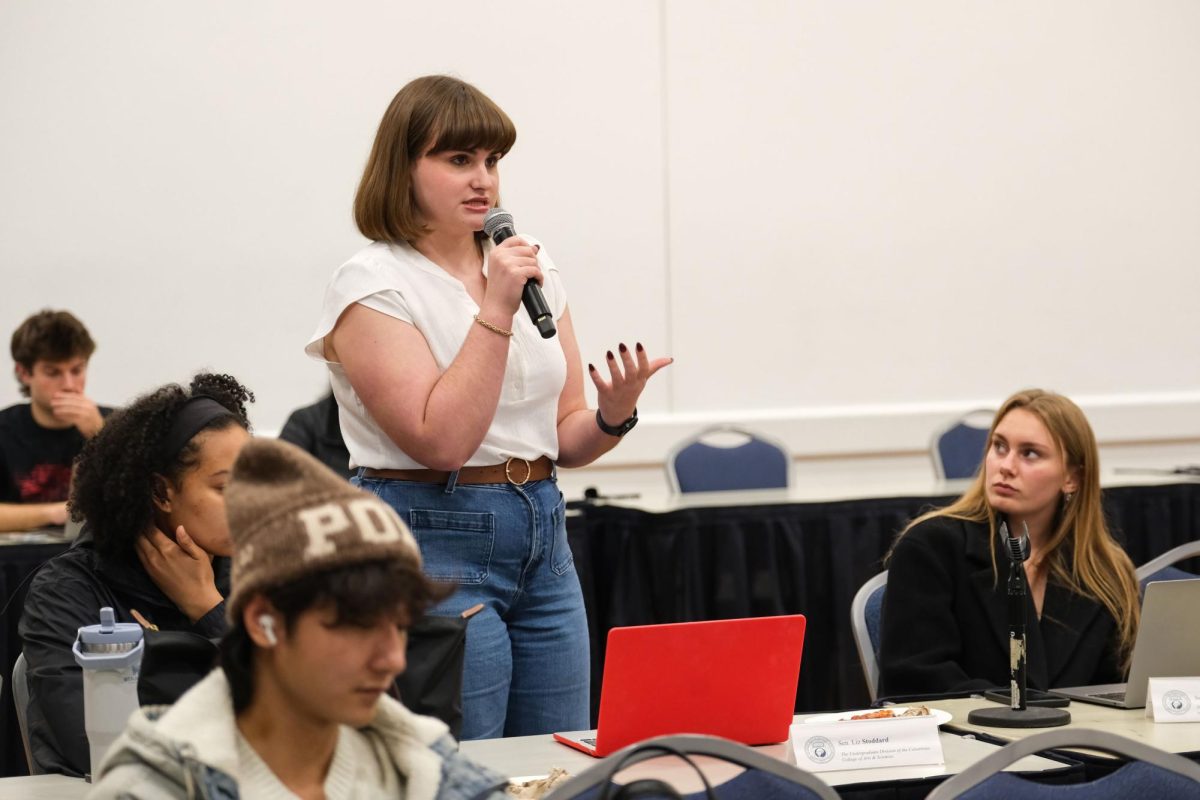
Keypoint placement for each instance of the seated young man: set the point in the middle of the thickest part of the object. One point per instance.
(40, 439)
(326, 581)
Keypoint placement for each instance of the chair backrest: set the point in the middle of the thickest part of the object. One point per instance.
(20, 693)
(752, 462)
(1154, 772)
(865, 612)
(1160, 569)
(763, 775)
(957, 449)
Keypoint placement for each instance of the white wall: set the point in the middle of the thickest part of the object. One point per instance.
(847, 221)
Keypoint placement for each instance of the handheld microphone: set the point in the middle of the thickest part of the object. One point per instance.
(498, 224)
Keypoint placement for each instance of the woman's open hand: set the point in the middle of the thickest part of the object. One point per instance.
(628, 371)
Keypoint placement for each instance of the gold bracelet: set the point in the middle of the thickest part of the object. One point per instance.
(491, 327)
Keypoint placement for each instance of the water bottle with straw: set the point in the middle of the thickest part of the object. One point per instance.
(110, 655)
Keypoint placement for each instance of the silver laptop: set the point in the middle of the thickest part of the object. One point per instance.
(1167, 646)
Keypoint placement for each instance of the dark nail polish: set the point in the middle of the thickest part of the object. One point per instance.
(591, 367)
(623, 348)
(610, 355)
(639, 347)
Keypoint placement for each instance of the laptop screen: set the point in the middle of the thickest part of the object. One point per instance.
(733, 678)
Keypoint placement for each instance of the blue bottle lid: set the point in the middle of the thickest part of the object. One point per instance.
(109, 636)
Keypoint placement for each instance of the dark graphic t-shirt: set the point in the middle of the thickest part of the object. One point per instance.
(35, 462)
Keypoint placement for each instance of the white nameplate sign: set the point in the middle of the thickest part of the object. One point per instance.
(1173, 700)
(865, 744)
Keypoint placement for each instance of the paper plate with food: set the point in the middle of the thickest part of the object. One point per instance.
(888, 712)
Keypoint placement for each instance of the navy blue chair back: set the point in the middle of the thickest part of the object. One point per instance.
(764, 777)
(1161, 568)
(1150, 772)
(958, 450)
(1135, 779)
(1167, 574)
(866, 613)
(874, 616)
(756, 463)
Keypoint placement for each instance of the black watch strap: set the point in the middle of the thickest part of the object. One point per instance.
(616, 430)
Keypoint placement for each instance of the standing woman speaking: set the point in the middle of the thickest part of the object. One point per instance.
(456, 411)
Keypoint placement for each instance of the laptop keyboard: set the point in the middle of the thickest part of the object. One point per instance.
(589, 742)
(1117, 696)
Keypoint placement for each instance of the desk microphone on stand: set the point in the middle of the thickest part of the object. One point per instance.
(1018, 714)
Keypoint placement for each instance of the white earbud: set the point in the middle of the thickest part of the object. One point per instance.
(268, 625)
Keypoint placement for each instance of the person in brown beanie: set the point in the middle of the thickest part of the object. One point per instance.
(326, 581)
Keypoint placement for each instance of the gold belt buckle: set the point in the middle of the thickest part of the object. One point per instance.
(508, 470)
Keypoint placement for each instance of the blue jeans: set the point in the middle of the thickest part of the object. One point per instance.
(527, 663)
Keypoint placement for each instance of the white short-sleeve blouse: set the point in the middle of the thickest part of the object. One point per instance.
(395, 279)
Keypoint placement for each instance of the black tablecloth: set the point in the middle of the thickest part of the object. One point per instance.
(639, 568)
(17, 562)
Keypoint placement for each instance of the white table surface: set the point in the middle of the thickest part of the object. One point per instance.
(526, 756)
(660, 501)
(13, 538)
(43, 787)
(536, 755)
(1128, 722)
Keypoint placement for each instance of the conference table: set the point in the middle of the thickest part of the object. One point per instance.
(659, 558)
(527, 757)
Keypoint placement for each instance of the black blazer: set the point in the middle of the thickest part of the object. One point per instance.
(945, 620)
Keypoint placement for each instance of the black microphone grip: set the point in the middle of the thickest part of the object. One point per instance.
(1018, 552)
(1017, 643)
(531, 296)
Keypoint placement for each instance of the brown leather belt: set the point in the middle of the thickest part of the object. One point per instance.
(516, 471)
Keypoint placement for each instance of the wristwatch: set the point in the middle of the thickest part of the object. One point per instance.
(616, 430)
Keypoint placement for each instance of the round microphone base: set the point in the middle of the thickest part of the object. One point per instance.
(1031, 717)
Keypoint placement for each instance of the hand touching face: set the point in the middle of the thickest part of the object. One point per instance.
(56, 391)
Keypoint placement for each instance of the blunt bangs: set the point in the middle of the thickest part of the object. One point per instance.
(433, 114)
(468, 121)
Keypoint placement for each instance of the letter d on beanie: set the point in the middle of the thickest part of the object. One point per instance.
(289, 515)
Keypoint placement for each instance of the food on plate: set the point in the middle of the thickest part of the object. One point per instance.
(532, 789)
(891, 713)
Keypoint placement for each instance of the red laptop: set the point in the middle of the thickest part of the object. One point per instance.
(734, 678)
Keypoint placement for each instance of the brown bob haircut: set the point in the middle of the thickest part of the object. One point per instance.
(50, 336)
(433, 114)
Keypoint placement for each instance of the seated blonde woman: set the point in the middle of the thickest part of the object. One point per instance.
(945, 614)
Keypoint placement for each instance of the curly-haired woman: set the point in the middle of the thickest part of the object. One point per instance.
(154, 546)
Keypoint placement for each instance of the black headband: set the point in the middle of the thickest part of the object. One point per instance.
(191, 418)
